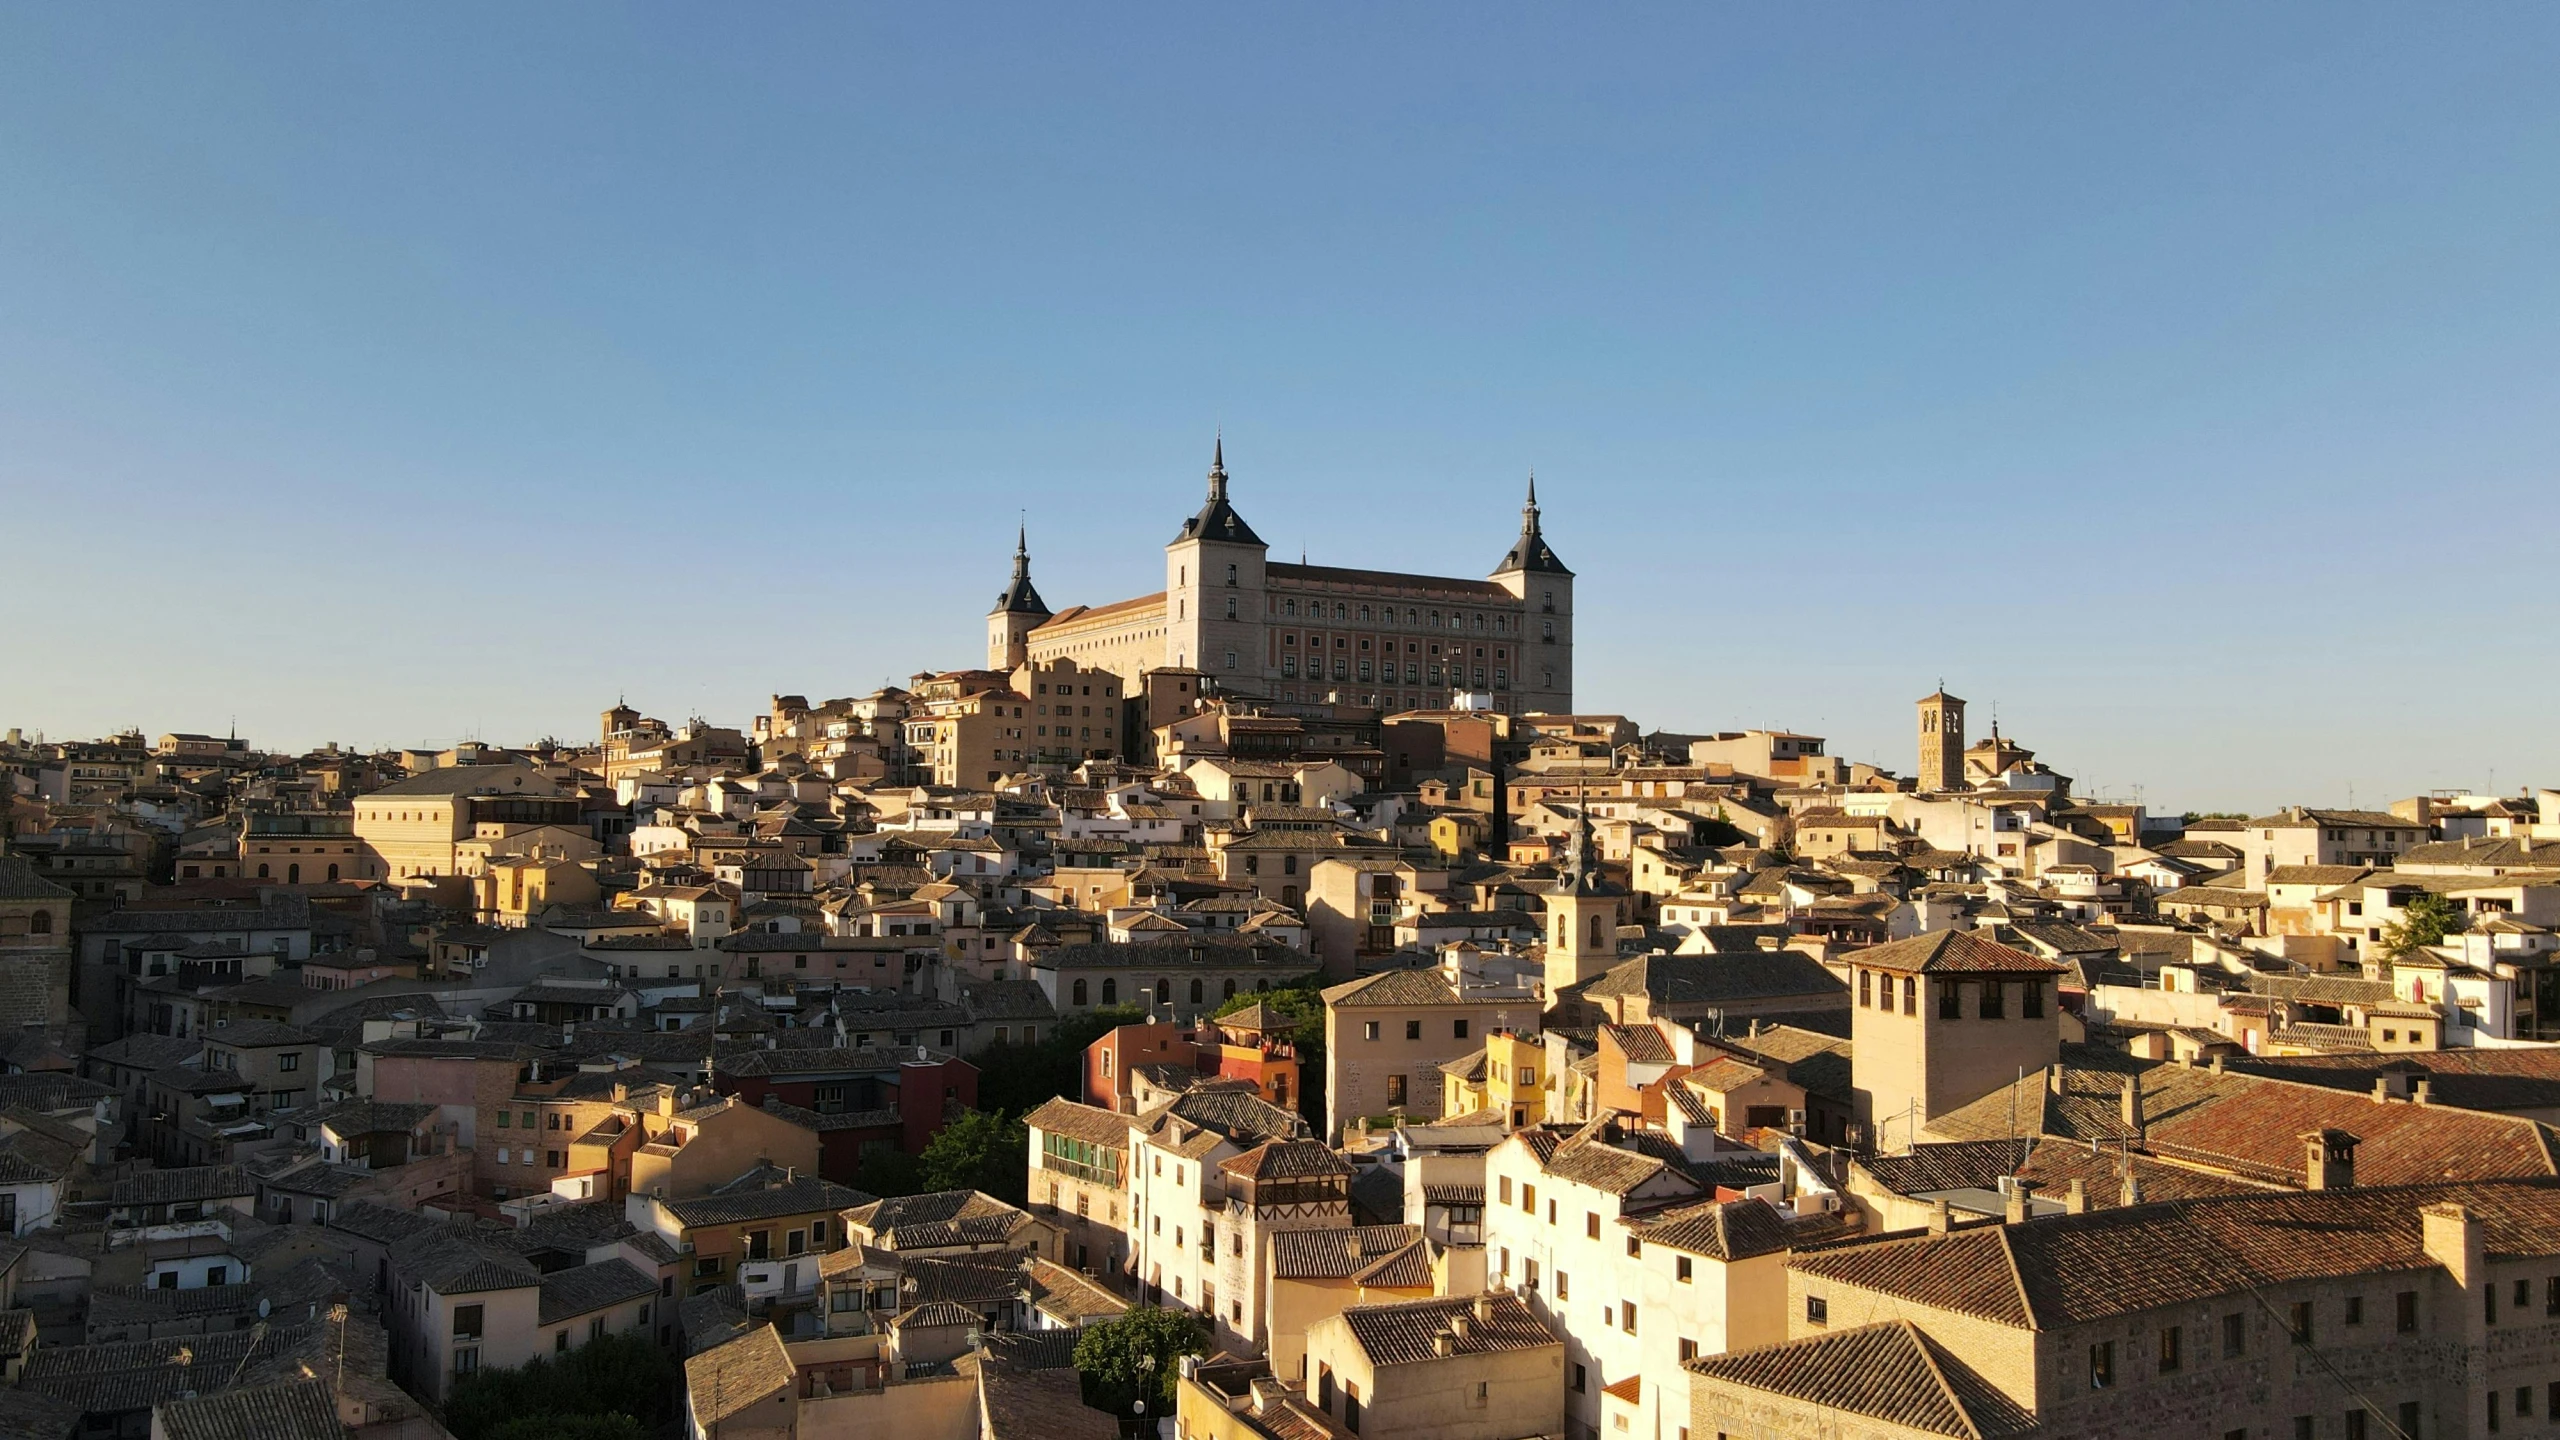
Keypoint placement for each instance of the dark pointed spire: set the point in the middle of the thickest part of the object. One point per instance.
(1218, 519)
(1019, 598)
(1530, 551)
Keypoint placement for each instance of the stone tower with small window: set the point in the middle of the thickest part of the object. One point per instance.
(1214, 592)
(1534, 576)
(1941, 743)
(1019, 610)
(1941, 1020)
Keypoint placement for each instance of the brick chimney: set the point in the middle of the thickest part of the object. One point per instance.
(1940, 1221)
(2021, 1192)
(2076, 1201)
(2330, 1159)
(2129, 1107)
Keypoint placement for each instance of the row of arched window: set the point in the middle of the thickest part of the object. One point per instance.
(1199, 991)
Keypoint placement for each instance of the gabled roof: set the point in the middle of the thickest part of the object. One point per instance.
(1088, 1123)
(1946, 952)
(945, 1217)
(1404, 1333)
(1890, 1372)
(2067, 1270)
(1285, 1160)
(1395, 988)
(728, 1379)
(1712, 979)
(1730, 1230)
(2249, 1125)
(802, 1196)
(584, 1289)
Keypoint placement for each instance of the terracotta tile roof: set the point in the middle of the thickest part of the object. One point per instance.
(1285, 1160)
(1405, 1269)
(1237, 1116)
(1642, 1044)
(1720, 978)
(1402, 1333)
(1039, 1405)
(2052, 1164)
(1889, 1372)
(2068, 1270)
(733, 1377)
(1089, 1123)
(1724, 1073)
(807, 1195)
(2465, 1079)
(1336, 1254)
(1731, 1230)
(944, 1217)
(1394, 987)
(193, 1182)
(2252, 1126)
(1070, 1297)
(294, 1410)
(1953, 952)
(585, 1289)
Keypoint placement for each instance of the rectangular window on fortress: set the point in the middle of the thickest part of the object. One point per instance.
(2171, 1350)
(1950, 1000)
(2031, 1000)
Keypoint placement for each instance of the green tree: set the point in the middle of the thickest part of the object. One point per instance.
(624, 1376)
(1017, 1079)
(1137, 1356)
(980, 1151)
(2425, 921)
(886, 1170)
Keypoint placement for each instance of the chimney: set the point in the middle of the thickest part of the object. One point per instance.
(2129, 1107)
(2422, 1091)
(2452, 1239)
(1459, 1324)
(2053, 1079)
(1444, 1343)
(2330, 1159)
(2381, 1089)
(1483, 1309)
(2215, 1065)
(1939, 1220)
(2077, 1201)
(2021, 1192)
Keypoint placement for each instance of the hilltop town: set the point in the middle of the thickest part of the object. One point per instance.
(1266, 1009)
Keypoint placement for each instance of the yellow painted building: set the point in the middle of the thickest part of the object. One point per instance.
(1508, 1075)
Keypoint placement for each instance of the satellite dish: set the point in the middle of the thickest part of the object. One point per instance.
(262, 1307)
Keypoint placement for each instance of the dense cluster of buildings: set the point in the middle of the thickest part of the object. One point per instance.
(1470, 1067)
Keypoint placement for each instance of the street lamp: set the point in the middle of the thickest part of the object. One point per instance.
(1146, 1382)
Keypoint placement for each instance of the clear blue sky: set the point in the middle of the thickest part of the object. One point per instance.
(2179, 377)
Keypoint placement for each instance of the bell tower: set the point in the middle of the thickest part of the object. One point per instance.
(1019, 611)
(1941, 742)
(1213, 594)
(1583, 911)
(1544, 588)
